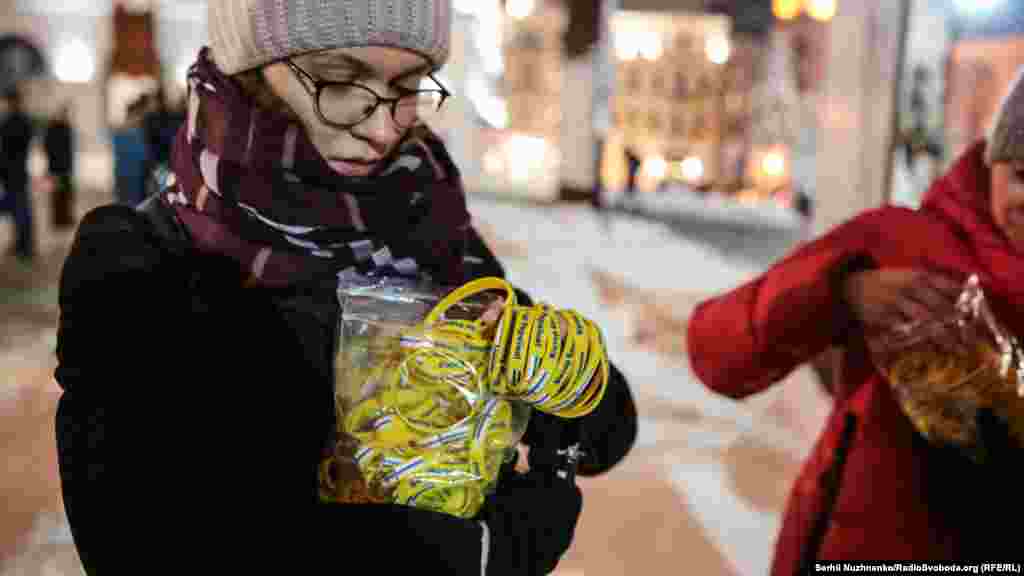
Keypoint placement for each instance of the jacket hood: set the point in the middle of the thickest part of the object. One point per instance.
(961, 198)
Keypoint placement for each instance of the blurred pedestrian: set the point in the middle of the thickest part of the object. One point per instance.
(161, 123)
(874, 487)
(16, 135)
(598, 194)
(632, 172)
(59, 143)
(131, 155)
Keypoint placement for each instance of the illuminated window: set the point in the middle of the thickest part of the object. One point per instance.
(74, 62)
(692, 169)
(520, 9)
(786, 9)
(717, 49)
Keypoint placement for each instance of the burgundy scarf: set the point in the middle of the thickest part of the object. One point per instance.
(249, 184)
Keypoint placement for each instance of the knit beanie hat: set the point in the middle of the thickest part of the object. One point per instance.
(1006, 139)
(246, 34)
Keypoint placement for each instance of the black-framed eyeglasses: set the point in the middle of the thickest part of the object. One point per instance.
(346, 104)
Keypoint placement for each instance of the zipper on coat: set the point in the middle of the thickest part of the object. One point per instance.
(830, 488)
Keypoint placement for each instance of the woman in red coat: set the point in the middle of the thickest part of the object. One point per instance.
(872, 488)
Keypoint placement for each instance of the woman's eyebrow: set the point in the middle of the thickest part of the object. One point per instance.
(358, 66)
(424, 69)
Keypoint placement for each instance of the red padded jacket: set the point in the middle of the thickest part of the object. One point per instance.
(872, 489)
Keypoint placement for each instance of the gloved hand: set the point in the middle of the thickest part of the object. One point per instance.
(532, 519)
(970, 491)
(605, 436)
(997, 446)
(993, 450)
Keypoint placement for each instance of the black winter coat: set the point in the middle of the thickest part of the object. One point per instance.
(194, 413)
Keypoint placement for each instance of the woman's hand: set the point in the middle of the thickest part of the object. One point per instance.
(532, 521)
(886, 298)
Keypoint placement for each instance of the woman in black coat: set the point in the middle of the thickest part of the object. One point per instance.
(197, 333)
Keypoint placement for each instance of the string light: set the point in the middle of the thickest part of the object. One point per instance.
(787, 9)
(75, 62)
(656, 167)
(774, 164)
(693, 169)
(717, 49)
(821, 10)
(520, 9)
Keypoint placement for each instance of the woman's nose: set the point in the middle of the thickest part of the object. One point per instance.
(378, 130)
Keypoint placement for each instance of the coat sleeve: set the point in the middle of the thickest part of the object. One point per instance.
(744, 340)
(116, 468)
(608, 432)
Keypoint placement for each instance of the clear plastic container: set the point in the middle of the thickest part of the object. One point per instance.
(943, 372)
(415, 423)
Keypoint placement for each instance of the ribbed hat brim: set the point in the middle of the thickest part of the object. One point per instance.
(246, 34)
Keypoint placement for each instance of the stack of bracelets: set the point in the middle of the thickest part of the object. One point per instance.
(442, 416)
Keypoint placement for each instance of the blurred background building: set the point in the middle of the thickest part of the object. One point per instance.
(713, 96)
(532, 81)
(671, 94)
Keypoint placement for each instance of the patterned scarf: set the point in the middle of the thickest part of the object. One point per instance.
(249, 184)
